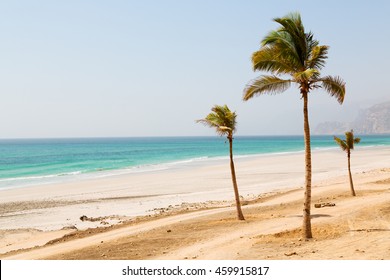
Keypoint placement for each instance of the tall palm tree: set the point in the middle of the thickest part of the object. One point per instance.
(347, 145)
(292, 52)
(224, 122)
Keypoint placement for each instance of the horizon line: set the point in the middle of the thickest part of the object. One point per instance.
(177, 136)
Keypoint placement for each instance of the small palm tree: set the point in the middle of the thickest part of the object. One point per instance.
(224, 122)
(292, 52)
(347, 145)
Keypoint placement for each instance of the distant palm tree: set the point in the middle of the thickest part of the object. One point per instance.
(224, 122)
(347, 145)
(291, 51)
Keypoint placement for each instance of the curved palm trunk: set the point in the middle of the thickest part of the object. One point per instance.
(350, 175)
(240, 216)
(307, 198)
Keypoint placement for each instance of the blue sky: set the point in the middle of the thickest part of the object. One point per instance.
(151, 68)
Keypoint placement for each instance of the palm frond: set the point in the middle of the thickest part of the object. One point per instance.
(292, 25)
(211, 122)
(317, 57)
(311, 44)
(335, 86)
(265, 84)
(351, 140)
(292, 51)
(271, 60)
(341, 143)
(283, 46)
(226, 118)
(348, 143)
(307, 75)
(221, 119)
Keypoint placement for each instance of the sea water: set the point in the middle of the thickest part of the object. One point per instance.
(25, 162)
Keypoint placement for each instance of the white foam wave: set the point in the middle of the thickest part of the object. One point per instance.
(39, 177)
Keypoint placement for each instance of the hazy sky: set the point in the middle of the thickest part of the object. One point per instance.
(151, 68)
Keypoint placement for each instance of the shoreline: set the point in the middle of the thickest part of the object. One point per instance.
(76, 176)
(256, 174)
(116, 200)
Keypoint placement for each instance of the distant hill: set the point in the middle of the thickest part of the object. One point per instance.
(374, 120)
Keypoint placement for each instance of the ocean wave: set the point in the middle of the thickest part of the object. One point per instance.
(27, 178)
(151, 167)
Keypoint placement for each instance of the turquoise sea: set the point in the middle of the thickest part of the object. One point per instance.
(26, 162)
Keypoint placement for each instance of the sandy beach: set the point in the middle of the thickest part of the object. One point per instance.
(187, 212)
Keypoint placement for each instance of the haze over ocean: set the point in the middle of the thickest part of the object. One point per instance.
(26, 162)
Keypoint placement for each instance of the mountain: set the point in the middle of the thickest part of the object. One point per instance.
(374, 120)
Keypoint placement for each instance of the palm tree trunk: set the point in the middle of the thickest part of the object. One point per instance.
(240, 216)
(350, 175)
(307, 198)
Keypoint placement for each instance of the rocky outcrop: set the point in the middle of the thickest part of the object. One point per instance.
(374, 120)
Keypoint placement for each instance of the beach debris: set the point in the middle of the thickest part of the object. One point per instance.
(104, 221)
(290, 254)
(325, 204)
(90, 219)
(84, 218)
(169, 230)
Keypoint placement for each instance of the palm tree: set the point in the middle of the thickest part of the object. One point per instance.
(292, 52)
(347, 145)
(224, 122)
